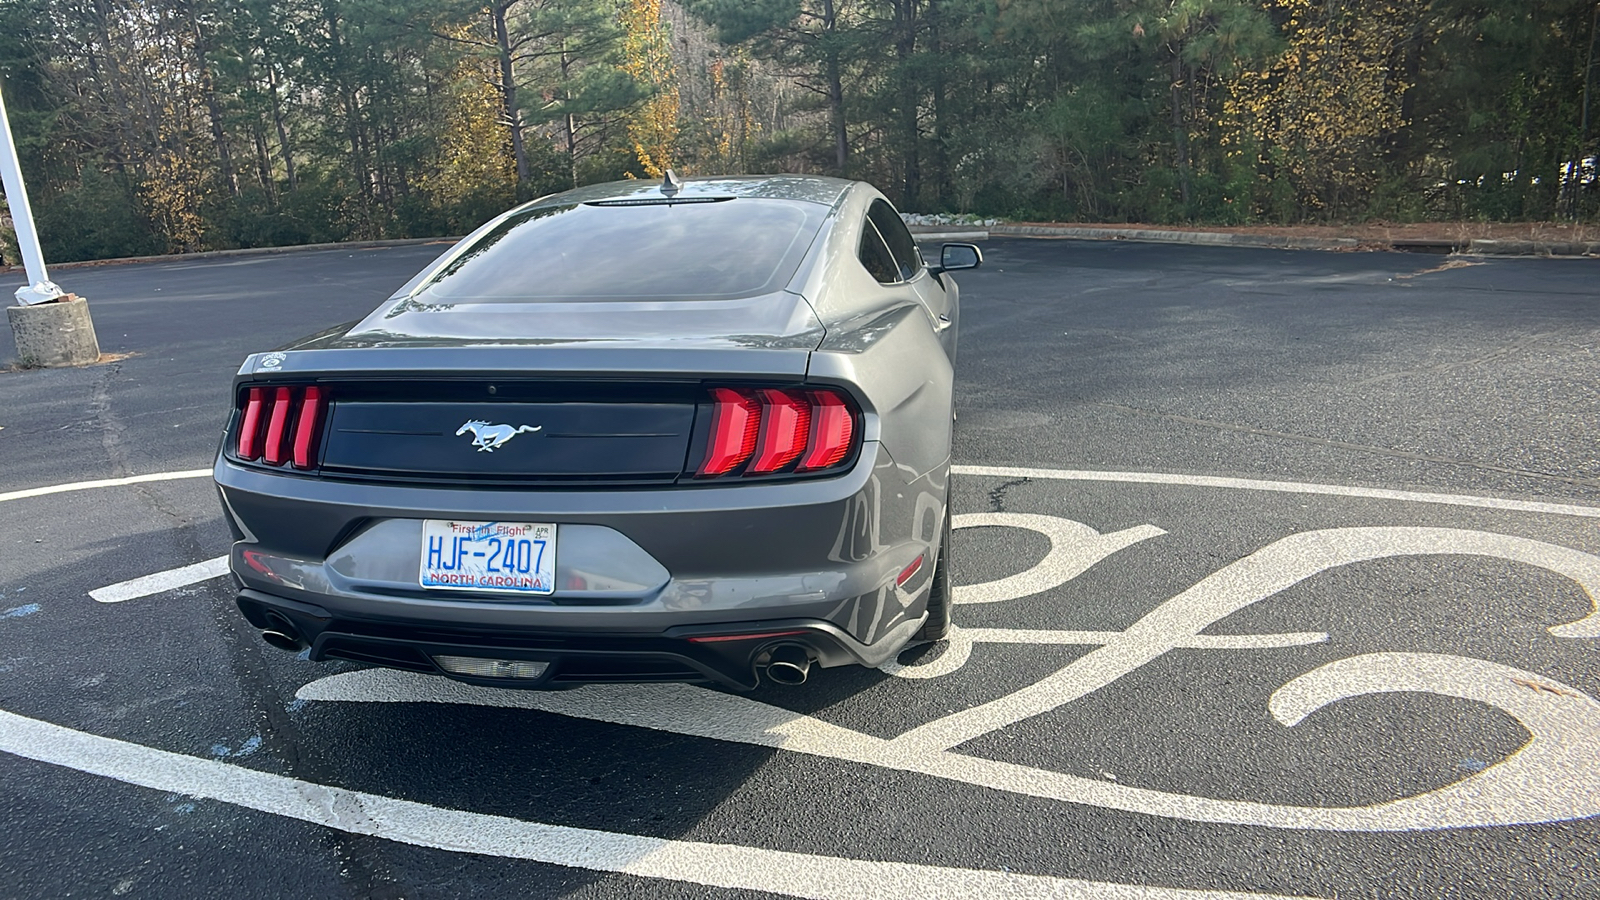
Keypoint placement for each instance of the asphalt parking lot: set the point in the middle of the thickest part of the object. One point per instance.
(1277, 576)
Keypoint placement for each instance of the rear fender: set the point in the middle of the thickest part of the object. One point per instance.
(898, 366)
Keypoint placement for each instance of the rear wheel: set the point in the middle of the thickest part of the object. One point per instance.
(937, 625)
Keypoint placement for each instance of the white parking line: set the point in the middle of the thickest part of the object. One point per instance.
(1074, 548)
(135, 588)
(103, 482)
(717, 865)
(1286, 487)
(1552, 778)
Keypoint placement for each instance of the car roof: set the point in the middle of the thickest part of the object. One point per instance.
(801, 188)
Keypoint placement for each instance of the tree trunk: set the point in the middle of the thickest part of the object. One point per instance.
(208, 91)
(283, 129)
(834, 74)
(352, 119)
(570, 120)
(264, 162)
(941, 150)
(905, 45)
(508, 92)
(1180, 133)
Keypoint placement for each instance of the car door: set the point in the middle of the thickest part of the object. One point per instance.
(890, 253)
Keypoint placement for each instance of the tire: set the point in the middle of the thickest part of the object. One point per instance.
(937, 625)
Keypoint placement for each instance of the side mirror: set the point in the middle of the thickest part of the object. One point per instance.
(959, 256)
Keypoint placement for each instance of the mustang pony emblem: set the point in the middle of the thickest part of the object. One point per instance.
(487, 437)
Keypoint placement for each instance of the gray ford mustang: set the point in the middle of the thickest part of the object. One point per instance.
(690, 431)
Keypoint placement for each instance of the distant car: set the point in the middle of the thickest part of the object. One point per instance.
(634, 432)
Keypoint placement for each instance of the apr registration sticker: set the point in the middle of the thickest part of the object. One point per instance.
(503, 557)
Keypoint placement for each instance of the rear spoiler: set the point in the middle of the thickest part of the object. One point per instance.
(590, 359)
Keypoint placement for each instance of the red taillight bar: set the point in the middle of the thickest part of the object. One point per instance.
(305, 431)
(281, 424)
(832, 430)
(250, 424)
(735, 420)
(273, 453)
(772, 430)
(786, 424)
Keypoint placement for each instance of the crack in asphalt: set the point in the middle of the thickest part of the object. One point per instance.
(112, 431)
(997, 496)
(1346, 445)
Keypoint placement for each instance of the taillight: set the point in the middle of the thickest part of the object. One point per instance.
(250, 424)
(278, 423)
(833, 428)
(281, 424)
(776, 430)
(786, 425)
(305, 432)
(735, 419)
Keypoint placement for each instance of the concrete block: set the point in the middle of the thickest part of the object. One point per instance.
(53, 334)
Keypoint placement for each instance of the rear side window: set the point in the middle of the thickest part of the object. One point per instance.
(898, 237)
(690, 251)
(875, 255)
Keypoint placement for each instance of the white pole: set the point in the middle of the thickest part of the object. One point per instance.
(39, 288)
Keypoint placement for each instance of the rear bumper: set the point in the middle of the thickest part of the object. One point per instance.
(634, 568)
(729, 654)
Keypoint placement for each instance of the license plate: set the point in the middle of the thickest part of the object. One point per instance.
(500, 557)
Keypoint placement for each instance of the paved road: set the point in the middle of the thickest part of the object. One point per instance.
(1273, 565)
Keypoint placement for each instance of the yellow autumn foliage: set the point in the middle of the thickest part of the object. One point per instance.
(1322, 113)
(172, 190)
(475, 154)
(653, 128)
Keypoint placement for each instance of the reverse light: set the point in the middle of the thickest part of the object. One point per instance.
(491, 668)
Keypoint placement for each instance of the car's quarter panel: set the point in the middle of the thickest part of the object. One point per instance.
(882, 339)
(901, 369)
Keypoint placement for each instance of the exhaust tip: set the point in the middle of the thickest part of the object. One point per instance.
(281, 633)
(286, 642)
(789, 664)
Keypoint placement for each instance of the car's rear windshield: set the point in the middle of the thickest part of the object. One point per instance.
(697, 250)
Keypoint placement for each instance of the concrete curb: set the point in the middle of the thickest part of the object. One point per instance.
(1483, 247)
(949, 235)
(1470, 247)
(1155, 236)
(248, 251)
